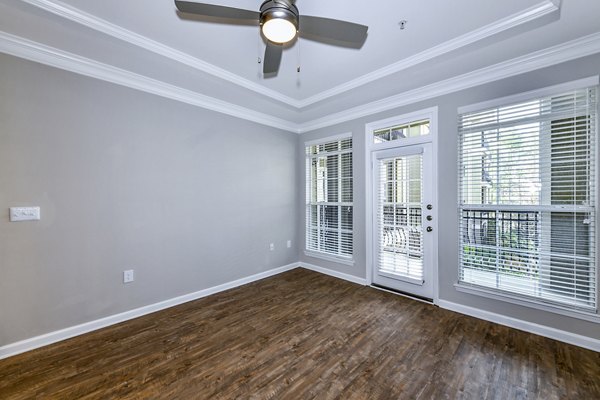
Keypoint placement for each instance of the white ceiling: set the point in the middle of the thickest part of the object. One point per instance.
(236, 48)
(442, 39)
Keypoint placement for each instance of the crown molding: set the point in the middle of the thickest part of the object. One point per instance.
(581, 47)
(537, 11)
(53, 57)
(98, 24)
(33, 51)
(76, 15)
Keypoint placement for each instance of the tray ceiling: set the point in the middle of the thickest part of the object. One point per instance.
(442, 39)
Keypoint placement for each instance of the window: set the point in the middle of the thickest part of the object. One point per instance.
(329, 207)
(404, 131)
(527, 199)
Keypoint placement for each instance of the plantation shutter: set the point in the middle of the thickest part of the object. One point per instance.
(527, 199)
(329, 203)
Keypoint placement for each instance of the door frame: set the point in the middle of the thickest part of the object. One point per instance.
(370, 148)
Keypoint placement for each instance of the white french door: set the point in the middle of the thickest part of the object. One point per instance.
(403, 217)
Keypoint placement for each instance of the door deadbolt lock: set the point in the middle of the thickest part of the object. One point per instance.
(429, 218)
(429, 206)
(429, 229)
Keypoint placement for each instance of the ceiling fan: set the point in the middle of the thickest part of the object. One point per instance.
(280, 22)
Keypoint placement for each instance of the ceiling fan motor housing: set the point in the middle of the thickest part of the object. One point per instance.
(279, 9)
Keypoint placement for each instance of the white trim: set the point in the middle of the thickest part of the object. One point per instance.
(597, 172)
(328, 257)
(542, 9)
(532, 303)
(563, 52)
(335, 274)
(53, 57)
(525, 96)
(567, 51)
(91, 21)
(404, 150)
(22, 346)
(369, 190)
(426, 113)
(328, 139)
(434, 126)
(402, 119)
(542, 330)
(539, 10)
(57, 336)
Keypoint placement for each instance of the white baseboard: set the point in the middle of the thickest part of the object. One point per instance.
(542, 330)
(57, 336)
(336, 274)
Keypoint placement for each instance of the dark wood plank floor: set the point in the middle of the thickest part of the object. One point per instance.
(302, 335)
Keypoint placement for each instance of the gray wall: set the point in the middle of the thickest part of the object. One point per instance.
(188, 198)
(447, 189)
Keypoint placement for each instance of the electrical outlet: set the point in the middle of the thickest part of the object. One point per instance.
(128, 276)
(289, 244)
(272, 246)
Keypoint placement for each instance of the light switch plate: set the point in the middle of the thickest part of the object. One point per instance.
(24, 214)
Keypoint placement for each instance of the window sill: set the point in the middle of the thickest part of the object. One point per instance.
(492, 294)
(328, 257)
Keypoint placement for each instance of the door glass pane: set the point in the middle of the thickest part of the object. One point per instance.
(399, 216)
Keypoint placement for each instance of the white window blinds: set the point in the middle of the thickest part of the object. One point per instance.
(329, 207)
(400, 228)
(527, 199)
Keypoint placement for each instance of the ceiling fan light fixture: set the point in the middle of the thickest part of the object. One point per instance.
(279, 30)
(279, 21)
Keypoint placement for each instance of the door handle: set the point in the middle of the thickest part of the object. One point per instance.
(429, 206)
(429, 229)
(429, 218)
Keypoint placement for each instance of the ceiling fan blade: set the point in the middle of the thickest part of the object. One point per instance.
(211, 10)
(272, 58)
(334, 29)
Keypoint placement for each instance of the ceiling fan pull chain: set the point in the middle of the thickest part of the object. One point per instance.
(258, 48)
(299, 61)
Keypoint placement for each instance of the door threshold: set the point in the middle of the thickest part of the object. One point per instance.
(403, 294)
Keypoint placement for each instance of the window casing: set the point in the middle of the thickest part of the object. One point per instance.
(329, 199)
(528, 199)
